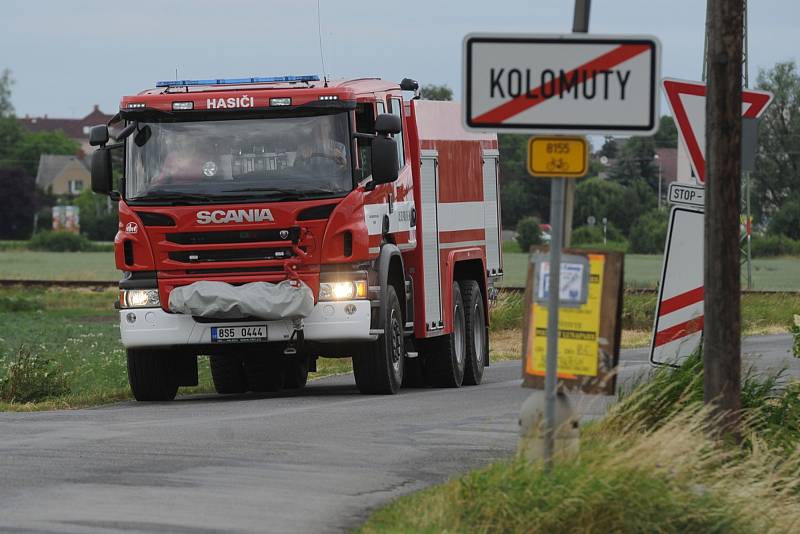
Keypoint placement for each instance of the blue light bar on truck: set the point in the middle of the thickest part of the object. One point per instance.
(239, 81)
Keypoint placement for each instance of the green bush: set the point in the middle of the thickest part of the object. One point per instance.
(787, 220)
(774, 245)
(594, 234)
(649, 232)
(528, 233)
(59, 242)
(99, 220)
(29, 378)
(511, 247)
(14, 303)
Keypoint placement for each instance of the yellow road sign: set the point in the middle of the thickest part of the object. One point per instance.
(558, 157)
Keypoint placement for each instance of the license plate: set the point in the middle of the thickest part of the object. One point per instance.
(239, 334)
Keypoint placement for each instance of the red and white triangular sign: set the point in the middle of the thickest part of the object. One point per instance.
(688, 103)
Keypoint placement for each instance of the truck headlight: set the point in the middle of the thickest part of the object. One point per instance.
(139, 298)
(348, 290)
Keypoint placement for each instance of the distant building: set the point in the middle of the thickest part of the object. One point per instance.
(77, 129)
(62, 175)
(667, 161)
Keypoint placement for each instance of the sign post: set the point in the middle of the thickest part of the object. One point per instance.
(556, 238)
(560, 84)
(679, 318)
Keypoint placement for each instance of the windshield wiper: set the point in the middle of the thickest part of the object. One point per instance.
(175, 197)
(285, 195)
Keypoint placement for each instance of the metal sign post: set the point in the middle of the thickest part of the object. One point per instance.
(554, 292)
(561, 84)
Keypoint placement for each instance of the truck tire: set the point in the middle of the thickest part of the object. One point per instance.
(477, 340)
(228, 374)
(151, 375)
(264, 372)
(378, 366)
(295, 371)
(445, 356)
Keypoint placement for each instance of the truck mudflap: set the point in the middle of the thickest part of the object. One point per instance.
(289, 299)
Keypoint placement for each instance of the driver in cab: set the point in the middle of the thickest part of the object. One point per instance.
(321, 148)
(187, 161)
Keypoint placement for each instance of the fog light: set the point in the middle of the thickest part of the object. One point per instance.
(280, 101)
(350, 309)
(131, 318)
(182, 106)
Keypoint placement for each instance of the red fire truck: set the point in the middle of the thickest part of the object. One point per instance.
(267, 222)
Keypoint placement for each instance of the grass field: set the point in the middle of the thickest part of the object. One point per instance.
(641, 271)
(644, 271)
(77, 330)
(28, 265)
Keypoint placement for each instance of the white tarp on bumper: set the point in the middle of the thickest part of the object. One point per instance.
(218, 300)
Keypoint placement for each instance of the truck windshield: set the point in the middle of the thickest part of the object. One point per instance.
(206, 161)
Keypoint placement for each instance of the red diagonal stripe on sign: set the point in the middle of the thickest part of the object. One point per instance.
(681, 301)
(519, 104)
(679, 330)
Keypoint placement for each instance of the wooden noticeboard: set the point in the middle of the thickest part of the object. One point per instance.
(589, 334)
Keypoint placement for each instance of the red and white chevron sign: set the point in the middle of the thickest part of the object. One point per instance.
(561, 83)
(678, 325)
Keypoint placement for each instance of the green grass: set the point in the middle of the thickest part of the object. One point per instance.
(641, 271)
(28, 265)
(761, 312)
(78, 330)
(648, 466)
(644, 271)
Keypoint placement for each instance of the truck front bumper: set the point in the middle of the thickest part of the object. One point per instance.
(329, 321)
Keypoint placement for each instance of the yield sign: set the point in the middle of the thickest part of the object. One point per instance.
(688, 103)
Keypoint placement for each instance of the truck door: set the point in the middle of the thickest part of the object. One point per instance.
(491, 213)
(429, 194)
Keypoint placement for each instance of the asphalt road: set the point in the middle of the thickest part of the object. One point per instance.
(316, 461)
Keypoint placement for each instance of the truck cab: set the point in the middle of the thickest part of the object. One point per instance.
(267, 222)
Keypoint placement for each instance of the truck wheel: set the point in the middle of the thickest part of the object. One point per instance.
(295, 371)
(228, 374)
(378, 366)
(445, 357)
(476, 338)
(151, 375)
(264, 372)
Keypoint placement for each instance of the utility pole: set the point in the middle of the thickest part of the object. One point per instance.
(746, 81)
(580, 24)
(722, 279)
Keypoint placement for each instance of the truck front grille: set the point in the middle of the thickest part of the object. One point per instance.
(235, 236)
(252, 254)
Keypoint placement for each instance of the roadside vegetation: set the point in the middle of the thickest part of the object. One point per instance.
(60, 348)
(762, 313)
(647, 466)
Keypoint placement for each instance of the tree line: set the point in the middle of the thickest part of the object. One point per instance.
(625, 192)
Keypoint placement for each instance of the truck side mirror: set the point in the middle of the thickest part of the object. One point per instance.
(385, 166)
(387, 124)
(98, 135)
(101, 171)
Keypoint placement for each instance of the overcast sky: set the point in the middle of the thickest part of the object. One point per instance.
(67, 55)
